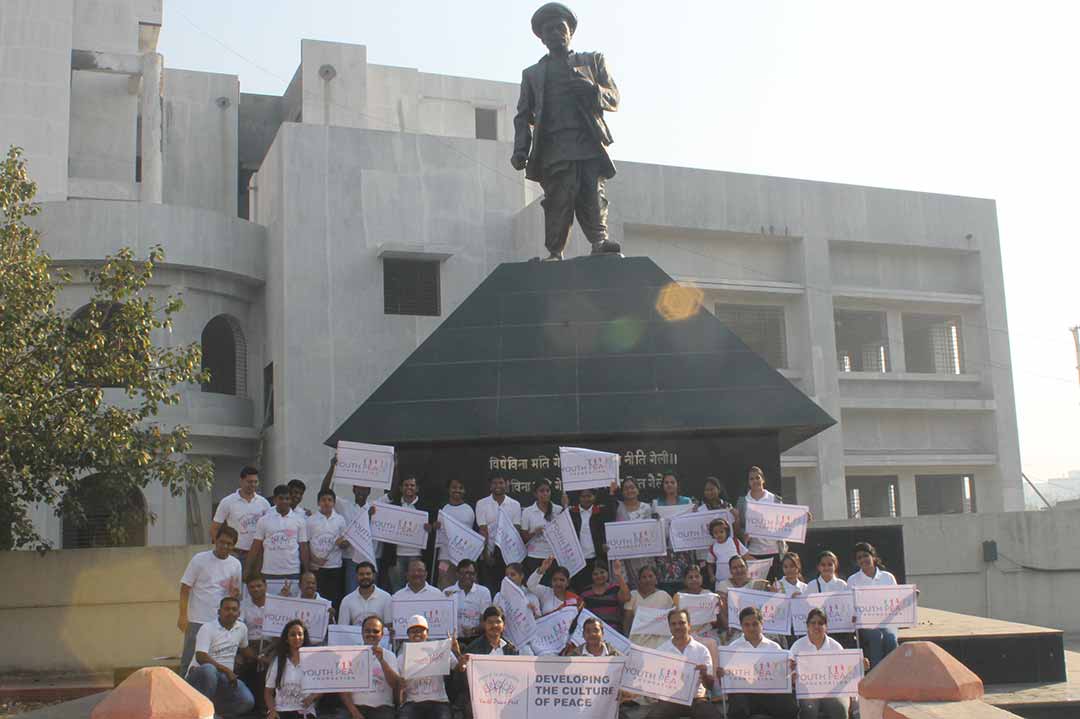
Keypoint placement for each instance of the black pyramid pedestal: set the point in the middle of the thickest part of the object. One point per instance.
(601, 352)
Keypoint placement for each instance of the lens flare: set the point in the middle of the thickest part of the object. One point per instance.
(679, 302)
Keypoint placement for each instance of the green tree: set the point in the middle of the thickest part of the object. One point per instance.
(55, 426)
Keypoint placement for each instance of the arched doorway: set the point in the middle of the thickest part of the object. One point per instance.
(224, 354)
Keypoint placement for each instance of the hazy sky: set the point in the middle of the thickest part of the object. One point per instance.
(967, 98)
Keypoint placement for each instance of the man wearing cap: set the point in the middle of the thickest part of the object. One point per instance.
(424, 698)
(560, 136)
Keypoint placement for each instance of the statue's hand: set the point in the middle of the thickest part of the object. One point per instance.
(518, 161)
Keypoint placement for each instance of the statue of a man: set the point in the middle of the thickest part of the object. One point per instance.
(560, 136)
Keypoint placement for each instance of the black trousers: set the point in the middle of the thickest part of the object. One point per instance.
(777, 706)
(574, 187)
(492, 571)
(331, 584)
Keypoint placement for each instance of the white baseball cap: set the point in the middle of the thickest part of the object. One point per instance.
(417, 620)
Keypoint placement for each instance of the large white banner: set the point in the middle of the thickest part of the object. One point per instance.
(335, 669)
(427, 659)
(520, 622)
(617, 641)
(553, 631)
(565, 543)
(587, 468)
(358, 532)
(892, 605)
(839, 607)
(828, 674)
(364, 465)
(766, 520)
(691, 530)
(773, 605)
(508, 539)
(650, 621)
(661, 676)
(399, 525)
(755, 672)
(441, 614)
(667, 512)
(280, 610)
(461, 542)
(702, 607)
(635, 538)
(544, 687)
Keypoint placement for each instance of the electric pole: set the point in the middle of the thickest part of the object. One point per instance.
(1076, 342)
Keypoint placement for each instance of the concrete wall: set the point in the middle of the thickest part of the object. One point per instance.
(72, 607)
(35, 84)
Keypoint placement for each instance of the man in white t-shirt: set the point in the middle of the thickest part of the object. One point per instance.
(326, 530)
(493, 566)
(210, 576)
(348, 511)
(252, 610)
(211, 672)
(778, 706)
(241, 511)
(423, 698)
(690, 649)
(417, 585)
(367, 601)
(378, 701)
(280, 548)
(470, 600)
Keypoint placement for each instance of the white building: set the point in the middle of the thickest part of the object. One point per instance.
(319, 237)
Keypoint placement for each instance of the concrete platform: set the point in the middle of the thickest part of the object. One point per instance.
(999, 652)
(1041, 701)
(947, 710)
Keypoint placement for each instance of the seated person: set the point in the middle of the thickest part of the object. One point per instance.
(378, 701)
(211, 671)
(744, 706)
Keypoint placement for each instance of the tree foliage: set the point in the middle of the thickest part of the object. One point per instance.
(58, 422)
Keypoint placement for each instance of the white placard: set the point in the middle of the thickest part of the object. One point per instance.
(399, 525)
(427, 659)
(587, 468)
(690, 530)
(782, 522)
(344, 635)
(839, 607)
(748, 671)
(280, 610)
(441, 614)
(508, 539)
(828, 674)
(659, 675)
(670, 511)
(544, 687)
(650, 621)
(553, 631)
(364, 465)
(758, 568)
(702, 607)
(358, 532)
(461, 541)
(893, 605)
(565, 543)
(774, 607)
(335, 669)
(617, 641)
(635, 538)
(520, 622)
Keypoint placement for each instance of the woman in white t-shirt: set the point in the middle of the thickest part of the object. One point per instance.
(630, 507)
(827, 582)
(459, 510)
(876, 643)
(284, 696)
(791, 584)
(818, 640)
(534, 519)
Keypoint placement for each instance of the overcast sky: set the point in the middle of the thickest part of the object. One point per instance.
(966, 98)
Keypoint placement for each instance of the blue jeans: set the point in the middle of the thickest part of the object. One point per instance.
(424, 710)
(877, 643)
(188, 652)
(349, 567)
(229, 700)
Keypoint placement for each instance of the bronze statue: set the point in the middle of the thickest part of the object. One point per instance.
(560, 136)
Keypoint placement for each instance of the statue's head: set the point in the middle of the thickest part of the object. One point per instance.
(554, 24)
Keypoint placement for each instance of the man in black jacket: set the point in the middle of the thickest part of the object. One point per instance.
(593, 517)
(560, 137)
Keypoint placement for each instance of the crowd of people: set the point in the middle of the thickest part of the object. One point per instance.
(261, 549)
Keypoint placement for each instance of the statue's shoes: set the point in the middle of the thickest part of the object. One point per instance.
(553, 257)
(605, 247)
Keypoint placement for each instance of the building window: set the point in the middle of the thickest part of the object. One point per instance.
(110, 519)
(862, 341)
(224, 354)
(760, 327)
(411, 287)
(932, 344)
(268, 395)
(945, 493)
(873, 497)
(487, 124)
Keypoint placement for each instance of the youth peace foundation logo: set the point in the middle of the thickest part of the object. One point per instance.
(248, 522)
(500, 689)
